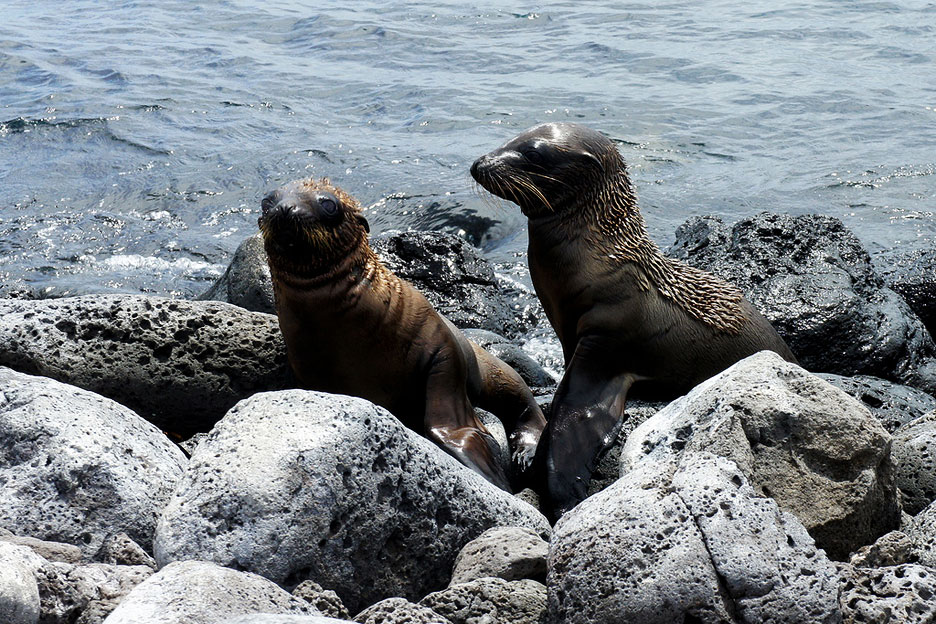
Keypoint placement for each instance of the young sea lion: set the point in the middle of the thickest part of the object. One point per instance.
(626, 315)
(353, 327)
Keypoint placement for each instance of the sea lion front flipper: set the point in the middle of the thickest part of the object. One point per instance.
(450, 422)
(583, 423)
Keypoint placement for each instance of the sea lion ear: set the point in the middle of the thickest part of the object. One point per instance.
(363, 221)
(587, 155)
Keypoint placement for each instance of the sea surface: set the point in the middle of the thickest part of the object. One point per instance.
(137, 138)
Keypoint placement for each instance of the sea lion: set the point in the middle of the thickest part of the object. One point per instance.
(353, 327)
(626, 315)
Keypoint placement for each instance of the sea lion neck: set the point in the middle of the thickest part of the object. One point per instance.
(317, 268)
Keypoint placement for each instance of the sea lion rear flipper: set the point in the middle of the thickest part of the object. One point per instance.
(450, 422)
(583, 423)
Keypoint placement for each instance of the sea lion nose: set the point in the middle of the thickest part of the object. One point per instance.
(476, 167)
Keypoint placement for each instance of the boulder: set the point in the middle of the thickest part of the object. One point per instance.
(912, 274)
(270, 618)
(921, 530)
(119, 549)
(914, 454)
(72, 593)
(179, 364)
(490, 600)
(528, 368)
(76, 467)
(51, 551)
(891, 403)
(690, 542)
(814, 281)
(19, 592)
(399, 611)
(298, 485)
(817, 451)
(510, 553)
(901, 594)
(324, 600)
(246, 282)
(198, 591)
(891, 549)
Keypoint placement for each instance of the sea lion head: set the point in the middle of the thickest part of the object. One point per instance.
(309, 226)
(549, 168)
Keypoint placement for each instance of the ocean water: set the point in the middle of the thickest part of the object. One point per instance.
(137, 138)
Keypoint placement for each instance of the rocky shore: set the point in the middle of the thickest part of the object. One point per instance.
(157, 464)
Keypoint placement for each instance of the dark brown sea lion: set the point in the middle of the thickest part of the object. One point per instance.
(627, 316)
(353, 327)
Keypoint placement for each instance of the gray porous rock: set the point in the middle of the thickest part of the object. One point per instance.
(76, 467)
(324, 600)
(491, 600)
(510, 553)
(270, 618)
(73, 592)
(298, 485)
(921, 530)
(914, 454)
(692, 542)
(891, 549)
(454, 276)
(528, 368)
(817, 451)
(179, 364)
(202, 592)
(399, 611)
(50, 551)
(814, 281)
(899, 595)
(19, 591)
(119, 549)
(891, 403)
(246, 282)
(912, 274)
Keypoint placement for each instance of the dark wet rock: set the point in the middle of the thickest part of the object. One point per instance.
(891, 549)
(912, 274)
(324, 600)
(891, 403)
(454, 276)
(300, 485)
(901, 594)
(528, 368)
(179, 364)
(399, 611)
(797, 438)
(246, 282)
(609, 465)
(76, 467)
(119, 549)
(51, 551)
(914, 455)
(491, 600)
(270, 618)
(19, 592)
(686, 542)
(84, 592)
(510, 553)
(814, 281)
(198, 591)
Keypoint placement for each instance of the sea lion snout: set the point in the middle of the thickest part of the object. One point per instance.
(315, 205)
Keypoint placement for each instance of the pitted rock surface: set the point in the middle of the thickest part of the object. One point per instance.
(491, 600)
(299, 485)
(901, 594)
(76, 467)
(198, 591)
(692, 542)
(324, 600)
(246, 282)
(179, 364)
(399, 611)
(814, 281)
(914, 454)
(891, 403)
(891, 549)
(19, 592)
(814, 449)
(72, 593)
(510, 553)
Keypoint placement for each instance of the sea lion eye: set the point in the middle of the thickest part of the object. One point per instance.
(329, 207)
(533, 156)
